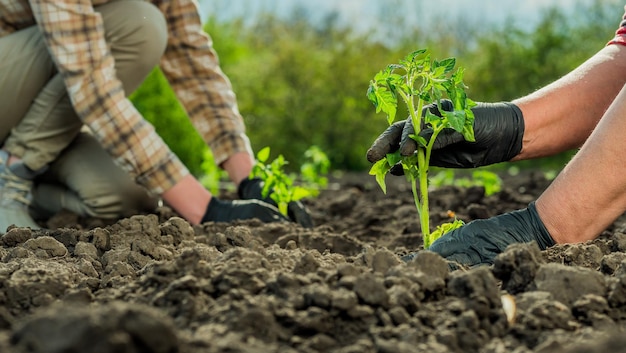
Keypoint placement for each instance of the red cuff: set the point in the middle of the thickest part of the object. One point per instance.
(617, 40)
(620, 34)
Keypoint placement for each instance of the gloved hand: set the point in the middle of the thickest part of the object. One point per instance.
(227, 211)
(498, 129)
(479, 241)
(250, 189)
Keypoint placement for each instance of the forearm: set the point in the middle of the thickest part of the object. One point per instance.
(239, 166)
(590, 192)
(561, 115)
(189, 198)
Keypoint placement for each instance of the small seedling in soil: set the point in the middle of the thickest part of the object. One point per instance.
(281, 187)
(417, 81)
(314, 170)
(485, 178)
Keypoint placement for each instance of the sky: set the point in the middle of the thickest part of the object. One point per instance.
(366, 14)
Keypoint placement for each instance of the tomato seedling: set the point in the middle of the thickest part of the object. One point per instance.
(417, 81)
(485, 178)
(280, 186)
(314, 169)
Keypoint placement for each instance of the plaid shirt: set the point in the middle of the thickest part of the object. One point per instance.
(74, 34)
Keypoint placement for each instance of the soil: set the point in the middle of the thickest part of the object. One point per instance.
(153, 283)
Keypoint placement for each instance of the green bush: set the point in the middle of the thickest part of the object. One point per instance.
(301, 88)
(301, 84)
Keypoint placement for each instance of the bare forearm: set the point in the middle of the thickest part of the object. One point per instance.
(189, 198)
(238, 166)
(590, 192)
(561, 115)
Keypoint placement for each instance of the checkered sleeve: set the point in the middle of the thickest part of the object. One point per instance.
(74, 34)
(192, 68)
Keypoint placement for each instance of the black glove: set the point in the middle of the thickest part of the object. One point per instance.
(227, 211)
(498, 129)
(250, 189)
(479, 241)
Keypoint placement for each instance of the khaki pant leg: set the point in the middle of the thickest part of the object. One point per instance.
(98, 187)
(25, 68)
(137, 34)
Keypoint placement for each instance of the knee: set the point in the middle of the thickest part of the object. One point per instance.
(137, 32)
(108, 203)
(85, 180)
(151, 32)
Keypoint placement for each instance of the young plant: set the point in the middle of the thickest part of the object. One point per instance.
(417, 81)
(314, 169)
(280, 186)
(485, 178)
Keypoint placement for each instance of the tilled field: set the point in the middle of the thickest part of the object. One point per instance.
(153, 283)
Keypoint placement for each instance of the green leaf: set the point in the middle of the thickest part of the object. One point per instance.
(468, 134)
(458, 77)
(384, 100)
(393, 158)
(392, 67)
(469, 104)
(416, 59)
(268, 185)
(417, 54)
(379, 170)
(263, 154)
(395, 82)
(459, 99)
(468, 128)
(299, 193)
(370, 93)
(411, 170)
(439, 71)
(455, 120)
(447, 64)
(382, 75)
(489, 180)
(420, 140)
(441, 230)
(430, 118)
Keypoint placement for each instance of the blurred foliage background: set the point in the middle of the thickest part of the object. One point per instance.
(301, 84)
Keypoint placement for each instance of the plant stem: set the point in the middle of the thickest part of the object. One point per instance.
(429, 148)
(416, 199)
(423, 185)
(423, 157)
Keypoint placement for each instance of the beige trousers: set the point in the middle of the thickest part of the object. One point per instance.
(38, 122)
